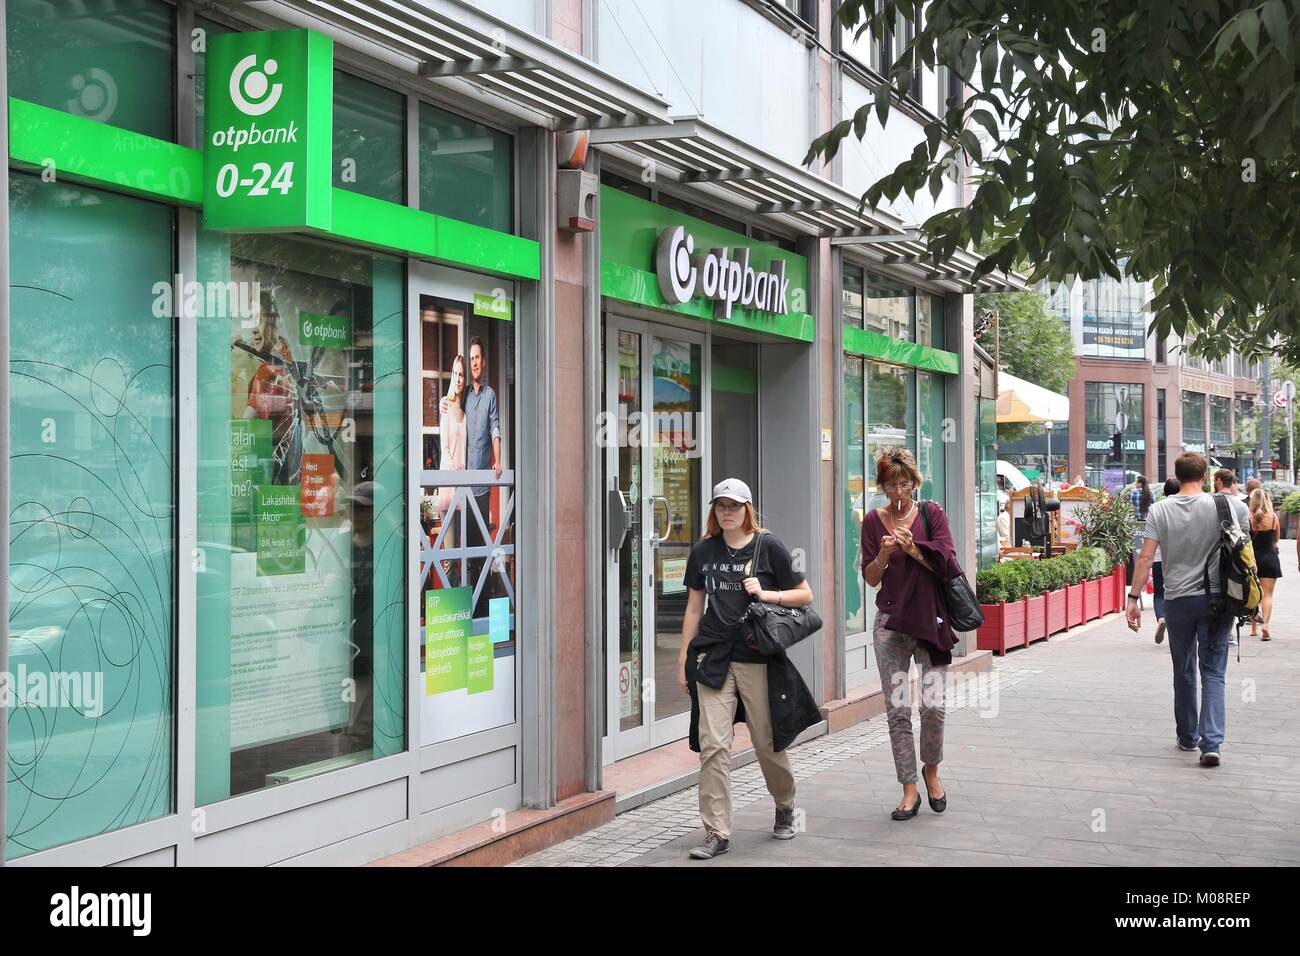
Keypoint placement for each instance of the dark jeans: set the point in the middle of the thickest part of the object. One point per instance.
(1198, 642)
(1158, 583)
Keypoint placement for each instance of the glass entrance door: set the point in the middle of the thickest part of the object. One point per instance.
(654, 460)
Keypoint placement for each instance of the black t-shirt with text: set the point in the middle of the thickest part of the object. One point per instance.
(719, 571)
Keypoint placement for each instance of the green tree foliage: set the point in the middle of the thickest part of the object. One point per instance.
(1033, 344)
(1164, 134)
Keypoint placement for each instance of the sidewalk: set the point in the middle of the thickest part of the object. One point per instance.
(1067, 758)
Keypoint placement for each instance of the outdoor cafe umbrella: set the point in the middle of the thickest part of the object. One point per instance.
(1021, 401)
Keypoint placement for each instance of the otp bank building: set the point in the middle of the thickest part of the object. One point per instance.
(360, 405)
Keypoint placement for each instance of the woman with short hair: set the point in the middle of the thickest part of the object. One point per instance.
(904, 552)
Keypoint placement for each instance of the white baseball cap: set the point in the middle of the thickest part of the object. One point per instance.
(732, 488)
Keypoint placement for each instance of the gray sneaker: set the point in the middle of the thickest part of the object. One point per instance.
(1210, 758)
(1160, 631)
(783, 829)
(711, 847)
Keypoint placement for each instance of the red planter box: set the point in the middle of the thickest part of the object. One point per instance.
(1073, 605)
(1055, 611)
(1035, 618)
(1091, 599)
(1121, 586)
(1003, 627)
(1106, 587)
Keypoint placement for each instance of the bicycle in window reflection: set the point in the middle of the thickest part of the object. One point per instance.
(290, 393)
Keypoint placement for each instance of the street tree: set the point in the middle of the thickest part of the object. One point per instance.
(1155, 137)
(1033, 344)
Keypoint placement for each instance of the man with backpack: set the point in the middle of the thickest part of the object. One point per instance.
(1196, 534)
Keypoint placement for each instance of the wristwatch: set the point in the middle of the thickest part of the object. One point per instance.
(1134, 597)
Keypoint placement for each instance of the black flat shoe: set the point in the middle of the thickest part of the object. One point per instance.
(901, 814)
(937, 804)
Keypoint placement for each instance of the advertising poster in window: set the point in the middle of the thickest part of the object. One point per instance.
(292, 459)
(466, 545)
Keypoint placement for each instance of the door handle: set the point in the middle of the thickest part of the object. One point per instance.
(655, 536)
(620, 518)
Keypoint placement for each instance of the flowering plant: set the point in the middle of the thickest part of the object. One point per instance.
(1109, 523)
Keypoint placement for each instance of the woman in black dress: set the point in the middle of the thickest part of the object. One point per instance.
(1264, 532)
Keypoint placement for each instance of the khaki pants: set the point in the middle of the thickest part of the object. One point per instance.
(748, 683)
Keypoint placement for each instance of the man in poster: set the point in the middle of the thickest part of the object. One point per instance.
(483, 447)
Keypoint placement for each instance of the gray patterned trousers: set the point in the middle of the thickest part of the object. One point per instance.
(895, 652)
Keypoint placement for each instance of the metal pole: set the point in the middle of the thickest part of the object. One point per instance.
(1267, 415)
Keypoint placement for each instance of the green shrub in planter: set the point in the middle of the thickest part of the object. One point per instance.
(1058, 572)
(1279, 491)
(1075, 565)
(1291, 503)
(991, 585)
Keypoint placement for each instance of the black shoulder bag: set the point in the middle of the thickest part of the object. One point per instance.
(773, 628)
(964, 612)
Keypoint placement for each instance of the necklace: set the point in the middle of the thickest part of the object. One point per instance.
(736, 552)
(896, 522)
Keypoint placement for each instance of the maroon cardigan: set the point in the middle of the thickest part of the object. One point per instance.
(909, 593)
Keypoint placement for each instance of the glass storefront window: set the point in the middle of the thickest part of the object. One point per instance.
(369, 142)
(735, 412)
(1194, 422)
(112, 63)
(466, 170)
(929, 319)
(467, 568)
(209, 29)
(1102, 402)
(930, 455)
(300, 557)
(891, 413)
(855, 590)
(889, 308)
(1219, 429)
(851, 310)
(986, 454)
(92, 502)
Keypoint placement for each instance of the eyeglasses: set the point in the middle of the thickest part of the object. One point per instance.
(727, 506)
(898, 486)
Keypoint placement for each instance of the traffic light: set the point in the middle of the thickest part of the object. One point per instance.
(1283, 448)
(1116, 446)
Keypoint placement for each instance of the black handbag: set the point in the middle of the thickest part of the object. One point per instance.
(964, 611)
(773, 628)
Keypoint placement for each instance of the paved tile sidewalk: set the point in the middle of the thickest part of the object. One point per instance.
(1065, 756)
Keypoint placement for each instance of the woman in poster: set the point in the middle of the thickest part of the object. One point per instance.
(451, 429)
(270, 393)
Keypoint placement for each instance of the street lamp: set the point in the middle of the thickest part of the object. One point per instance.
(1050, 472)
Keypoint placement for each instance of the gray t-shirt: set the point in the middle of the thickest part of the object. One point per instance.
(1187, 527)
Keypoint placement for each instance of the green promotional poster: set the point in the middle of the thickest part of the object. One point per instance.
(448, 622)
(269, 116)
(478, 664)
(492, 306)
(278, 517)
(324, 331)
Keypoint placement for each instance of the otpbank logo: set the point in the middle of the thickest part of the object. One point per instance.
(248, 86)
(269, 137)
(719, 274)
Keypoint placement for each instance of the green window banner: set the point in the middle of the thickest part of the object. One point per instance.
(493, 306)
(269, 114)
(324, 331)
(278, 516)
(448, 622)
(658, 257)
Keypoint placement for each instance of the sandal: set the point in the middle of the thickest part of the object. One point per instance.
(1266, 637)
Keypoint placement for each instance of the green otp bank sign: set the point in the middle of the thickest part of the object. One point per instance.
(269, 117)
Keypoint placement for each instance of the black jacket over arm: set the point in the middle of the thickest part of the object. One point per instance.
(791, 703)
